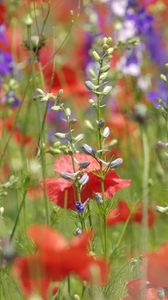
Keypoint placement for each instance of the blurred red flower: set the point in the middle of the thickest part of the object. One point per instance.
(123, 212)
(3, 13)
(157, 266)
(136, 288)
(56, 259)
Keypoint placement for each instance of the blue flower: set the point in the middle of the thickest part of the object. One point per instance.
(80, 207)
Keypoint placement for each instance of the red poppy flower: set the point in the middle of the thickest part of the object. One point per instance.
(157, 266)
(62, 191)
(55, 260)
(67, 75)
(121, 125)
(119, 214)
(138, 216)
(122, 213)
(18, 136)
(137, 287)
(64, 163)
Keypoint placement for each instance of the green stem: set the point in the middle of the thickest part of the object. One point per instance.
(18, 215)
(145, 193)
(78, 192)
(100, 146)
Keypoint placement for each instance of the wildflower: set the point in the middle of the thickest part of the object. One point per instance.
(157, 266)
(64, 163)
(55, 260)
(123, 212)
(79, 206)
(62, 192)
(11, 100)
(137, 288)
(119, 214)
(5, 63)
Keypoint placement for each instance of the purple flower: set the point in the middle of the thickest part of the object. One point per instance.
(130, 64)
(155, 46)
(158, 93)
(80, 207)
(142, 20)
(6, 63)
(2, 34)
(12, 100)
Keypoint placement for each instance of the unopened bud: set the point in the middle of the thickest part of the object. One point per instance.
(96, 56)
(107, 90)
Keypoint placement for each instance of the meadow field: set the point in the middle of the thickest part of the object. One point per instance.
(83, 150)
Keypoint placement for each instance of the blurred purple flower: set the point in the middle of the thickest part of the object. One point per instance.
(2, 34)
(130, 64)
(143, 21)
(6, 63)
(12, 100)
(159, 93)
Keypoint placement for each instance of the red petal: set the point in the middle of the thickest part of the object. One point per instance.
(32, 276)
(82, 241)
(118, 215)
(61, 192)
(157, 266)
(64, 163)
(138, 216)
(112, 184)
(46, 238)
